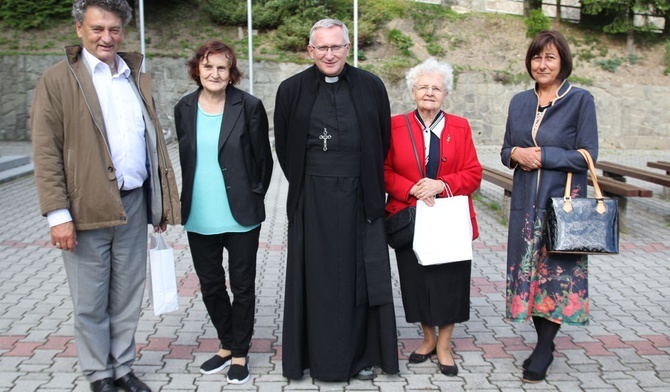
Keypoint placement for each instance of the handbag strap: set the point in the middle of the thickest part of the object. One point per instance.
(447, 188)
(416, 154)
(600, 207)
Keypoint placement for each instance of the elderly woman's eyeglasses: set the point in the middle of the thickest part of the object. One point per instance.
(425, 89)
(336, 49)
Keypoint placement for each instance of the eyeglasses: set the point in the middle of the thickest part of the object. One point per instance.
(424, 89)
(336, 49)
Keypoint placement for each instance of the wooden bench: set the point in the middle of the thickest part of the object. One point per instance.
(663, 165)
(613, 187)
(609, 186)
(503, 180)
(620, 172)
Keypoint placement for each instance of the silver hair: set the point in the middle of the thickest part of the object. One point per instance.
(435, 67)
(118, 7)
(326, 24)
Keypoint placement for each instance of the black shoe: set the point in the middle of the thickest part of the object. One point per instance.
(103, 385)
(447, 370)
(527, 361)
(215, 364)
(238, 374)
(415, 357)
(366, 374)
(130, 383)
(532, 376)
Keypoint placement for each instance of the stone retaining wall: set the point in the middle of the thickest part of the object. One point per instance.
(629, 116)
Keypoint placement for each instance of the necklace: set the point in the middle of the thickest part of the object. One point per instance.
(325, 136)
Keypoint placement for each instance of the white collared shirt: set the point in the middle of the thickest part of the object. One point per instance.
(124, 123)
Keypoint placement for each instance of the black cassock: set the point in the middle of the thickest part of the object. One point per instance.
(329, 326)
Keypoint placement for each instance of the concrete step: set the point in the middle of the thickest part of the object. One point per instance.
(7, 175)
(10, 161)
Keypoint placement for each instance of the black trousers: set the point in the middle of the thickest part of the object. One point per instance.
(234, 321)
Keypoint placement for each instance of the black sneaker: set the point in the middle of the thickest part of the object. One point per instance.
(215, 364)
(238, 374)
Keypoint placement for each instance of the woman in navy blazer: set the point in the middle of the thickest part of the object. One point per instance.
(226, 164)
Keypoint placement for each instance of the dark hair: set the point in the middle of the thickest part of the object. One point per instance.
(213, 47)
(541, 41)
(118, 7)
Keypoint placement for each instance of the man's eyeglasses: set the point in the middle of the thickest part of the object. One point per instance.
(336, 49)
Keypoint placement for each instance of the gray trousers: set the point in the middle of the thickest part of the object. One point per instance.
(106, 275)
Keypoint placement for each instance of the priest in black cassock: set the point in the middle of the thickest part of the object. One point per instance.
(332, 130)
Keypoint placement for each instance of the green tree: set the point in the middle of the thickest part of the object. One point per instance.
(30, 14)
(623, 12)
(536, 22)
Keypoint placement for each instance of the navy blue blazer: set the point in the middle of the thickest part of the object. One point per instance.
(245, 155)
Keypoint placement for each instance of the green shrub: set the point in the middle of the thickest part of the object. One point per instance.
(293, 19)
(29, 14)
(610, 65)
(579, 80)
(434, 49)
(536, 22)
(366, 32)
(227, 12)
(634, 58)
(293, 34)
(394, 69)
(507, 77)
(400, 41)
(667, 59)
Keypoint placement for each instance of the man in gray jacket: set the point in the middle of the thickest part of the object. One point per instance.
(103, 173)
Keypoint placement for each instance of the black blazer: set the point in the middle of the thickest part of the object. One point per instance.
(293, 107)
(245, 156)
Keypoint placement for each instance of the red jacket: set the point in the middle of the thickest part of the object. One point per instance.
(459, 166)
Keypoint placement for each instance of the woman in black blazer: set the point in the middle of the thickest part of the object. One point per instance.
(226, 164)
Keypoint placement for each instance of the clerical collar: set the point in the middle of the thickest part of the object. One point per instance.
(331, 79)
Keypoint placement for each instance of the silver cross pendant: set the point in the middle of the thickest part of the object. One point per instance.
(325, 136)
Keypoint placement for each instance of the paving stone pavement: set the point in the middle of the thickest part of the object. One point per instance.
(625, 347)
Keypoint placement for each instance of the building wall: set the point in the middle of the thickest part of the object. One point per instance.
(625, 117)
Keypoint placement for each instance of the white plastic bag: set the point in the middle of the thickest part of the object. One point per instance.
(164, 296)
(443, 232)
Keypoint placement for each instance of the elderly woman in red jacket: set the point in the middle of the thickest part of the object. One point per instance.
(435, 296)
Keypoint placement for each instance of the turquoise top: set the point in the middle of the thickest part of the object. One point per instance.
(210, 210)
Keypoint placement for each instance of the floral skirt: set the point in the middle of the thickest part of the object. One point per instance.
(551, 286)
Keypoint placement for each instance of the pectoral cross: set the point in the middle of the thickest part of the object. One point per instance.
(325, 136)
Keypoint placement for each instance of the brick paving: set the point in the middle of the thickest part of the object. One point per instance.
(625, 348)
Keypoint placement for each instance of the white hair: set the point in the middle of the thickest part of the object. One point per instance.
(435, 67)
(326, 24)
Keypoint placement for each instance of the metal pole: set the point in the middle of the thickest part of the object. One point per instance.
(142, 48)
(356, 33)
(251, 48)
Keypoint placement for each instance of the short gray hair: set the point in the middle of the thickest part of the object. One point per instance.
(326, 24)
(118, 7)
(431, 66)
